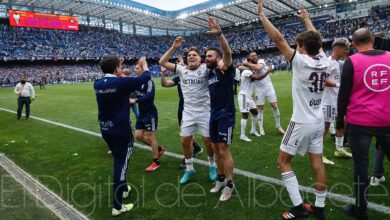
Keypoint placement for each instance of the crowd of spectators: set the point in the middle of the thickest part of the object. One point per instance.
(94, 43)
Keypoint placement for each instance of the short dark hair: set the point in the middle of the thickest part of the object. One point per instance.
(311, 40)
(194, 49)
(251, 51)
(362, 36)
(109, 63)
(299, 40)
(217, 51)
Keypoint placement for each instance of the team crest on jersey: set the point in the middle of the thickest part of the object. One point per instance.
(199, 72)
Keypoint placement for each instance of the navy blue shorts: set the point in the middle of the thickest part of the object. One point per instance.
(221, 129)
(147, 122)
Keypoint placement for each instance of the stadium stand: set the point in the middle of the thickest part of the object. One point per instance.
(92, 43)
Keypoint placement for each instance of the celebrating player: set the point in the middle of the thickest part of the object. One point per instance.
(197, 150)
(263, 89)
(146, 125)
(222, 118)
(340, 49)
(305, 131)
(196, 113)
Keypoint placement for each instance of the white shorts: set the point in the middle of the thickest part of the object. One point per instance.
(194, 122)
(263, 93)
(330, 112)
(302, 138)
(245, 103)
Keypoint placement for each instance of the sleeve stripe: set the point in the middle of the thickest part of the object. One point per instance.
(150, 86)
(292, 58)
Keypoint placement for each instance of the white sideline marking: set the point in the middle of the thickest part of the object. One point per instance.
(333, 196)
(35, 191)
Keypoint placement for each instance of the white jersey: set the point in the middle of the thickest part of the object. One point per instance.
(307, 87)
(194, 86)
(246, 84)
(266, 81)
(330, 93)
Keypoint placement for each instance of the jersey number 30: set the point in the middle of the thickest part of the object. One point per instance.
(318, 81)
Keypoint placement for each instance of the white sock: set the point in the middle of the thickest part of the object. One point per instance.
(320, 199)
(331, 128)
(339, 143)
(254, 120)
(260, 119)
(277, 117)
(243, 126)
(189, 164)
(212, 161)
(291, 183)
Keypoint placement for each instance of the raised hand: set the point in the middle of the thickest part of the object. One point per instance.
(260, 8)
(181, 60)
(179, 41)
(302, 13)
(215, 29)
(142, 62)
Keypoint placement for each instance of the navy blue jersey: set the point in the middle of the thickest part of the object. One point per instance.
(112, 96)
(221, 91)
(176, 79)
(145, 98)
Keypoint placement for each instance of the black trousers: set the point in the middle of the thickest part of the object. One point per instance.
(359, 138)
(23, 101)
(122, 149)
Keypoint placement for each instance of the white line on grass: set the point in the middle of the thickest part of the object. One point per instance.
(333, 196)
(49, 199)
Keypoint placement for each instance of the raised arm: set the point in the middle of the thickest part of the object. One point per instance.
(164, 82)
(131, 83)
(164, 60)
(303, 14)
(215, 29)
(274, 33)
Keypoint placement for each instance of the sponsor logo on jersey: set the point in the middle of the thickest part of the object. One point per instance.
(213, 80)
(104, 91)
(193, 81)
(315, 102)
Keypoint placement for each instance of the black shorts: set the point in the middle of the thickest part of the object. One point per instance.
(221, 128)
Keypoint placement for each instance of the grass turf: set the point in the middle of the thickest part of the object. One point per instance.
(76, 166)
(17, 203)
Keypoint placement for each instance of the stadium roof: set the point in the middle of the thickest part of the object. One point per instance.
(229, 12)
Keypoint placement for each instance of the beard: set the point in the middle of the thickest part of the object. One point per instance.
(212, 65)
(253, 61)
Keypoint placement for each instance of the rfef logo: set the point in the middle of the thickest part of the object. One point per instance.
(377, 78)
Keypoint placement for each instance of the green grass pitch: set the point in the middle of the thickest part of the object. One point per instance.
(76, 166)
